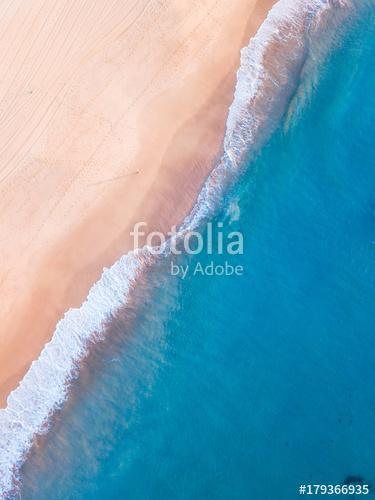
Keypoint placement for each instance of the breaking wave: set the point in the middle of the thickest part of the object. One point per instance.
(269, 73)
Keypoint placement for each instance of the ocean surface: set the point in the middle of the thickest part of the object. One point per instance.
(245, 387)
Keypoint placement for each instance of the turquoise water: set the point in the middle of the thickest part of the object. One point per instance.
(245, 387)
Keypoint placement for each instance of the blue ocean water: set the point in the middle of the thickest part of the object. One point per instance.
(245, 387)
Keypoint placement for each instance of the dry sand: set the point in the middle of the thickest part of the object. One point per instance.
(92, 92)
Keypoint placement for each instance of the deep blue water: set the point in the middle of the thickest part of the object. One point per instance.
(245, 387)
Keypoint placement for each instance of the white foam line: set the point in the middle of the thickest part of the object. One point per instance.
(263, 88)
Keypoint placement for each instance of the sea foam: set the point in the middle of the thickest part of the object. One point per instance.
(269, 73)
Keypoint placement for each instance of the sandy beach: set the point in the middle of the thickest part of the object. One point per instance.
(111, 112)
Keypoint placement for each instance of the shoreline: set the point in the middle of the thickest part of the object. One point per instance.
(268, 75)
(65, 260)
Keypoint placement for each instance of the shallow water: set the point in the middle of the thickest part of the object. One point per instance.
(245, 387)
